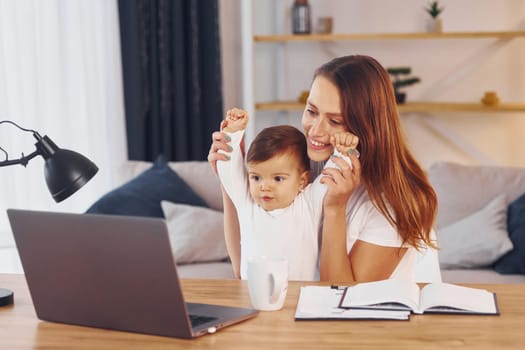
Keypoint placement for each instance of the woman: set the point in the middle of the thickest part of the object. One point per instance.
(380, 210)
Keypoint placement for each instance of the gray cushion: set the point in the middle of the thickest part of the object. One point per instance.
(477, 240)
(463, 190)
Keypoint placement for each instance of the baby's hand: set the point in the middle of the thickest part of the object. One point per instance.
(236, 120)
(344, 142)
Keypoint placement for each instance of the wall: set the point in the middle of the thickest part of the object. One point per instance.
(450, 70)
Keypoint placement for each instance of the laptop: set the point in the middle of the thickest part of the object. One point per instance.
(111, 272)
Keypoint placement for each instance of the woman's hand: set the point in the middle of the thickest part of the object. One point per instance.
(341, 182)
(220, 142)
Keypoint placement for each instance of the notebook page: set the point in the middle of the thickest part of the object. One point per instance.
(459, 297)
(381, 293)
(317, 302)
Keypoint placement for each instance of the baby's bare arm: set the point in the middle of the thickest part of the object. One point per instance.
(236, 120)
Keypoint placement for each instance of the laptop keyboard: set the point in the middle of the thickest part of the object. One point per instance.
(197, 320)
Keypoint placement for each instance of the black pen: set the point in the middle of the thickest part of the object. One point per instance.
(333, 286)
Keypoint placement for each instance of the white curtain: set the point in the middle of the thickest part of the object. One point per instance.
(60, 74)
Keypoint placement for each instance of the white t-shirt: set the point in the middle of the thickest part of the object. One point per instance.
(368, 224)
(365, 222)
(290, 232)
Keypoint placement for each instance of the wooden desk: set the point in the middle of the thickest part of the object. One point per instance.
(20, 329)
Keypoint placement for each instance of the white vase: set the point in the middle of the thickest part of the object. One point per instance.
(435, 25)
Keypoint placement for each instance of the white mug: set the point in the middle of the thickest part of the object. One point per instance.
(267, 282)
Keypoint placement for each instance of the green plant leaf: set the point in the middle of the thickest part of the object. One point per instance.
(399, 70)
(434, 9)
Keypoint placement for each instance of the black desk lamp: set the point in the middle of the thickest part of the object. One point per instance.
(65, 171)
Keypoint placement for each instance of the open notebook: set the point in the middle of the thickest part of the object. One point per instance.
(398, 294)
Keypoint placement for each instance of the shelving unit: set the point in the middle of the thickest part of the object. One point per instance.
(442, 107)
(502, 35)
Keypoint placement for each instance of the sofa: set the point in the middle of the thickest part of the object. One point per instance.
(471, 224)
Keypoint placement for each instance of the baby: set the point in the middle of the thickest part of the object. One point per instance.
(279, 212)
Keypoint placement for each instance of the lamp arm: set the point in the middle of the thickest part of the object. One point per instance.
(23, 160)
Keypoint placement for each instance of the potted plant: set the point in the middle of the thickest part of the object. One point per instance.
(434, 23)
(398, 82)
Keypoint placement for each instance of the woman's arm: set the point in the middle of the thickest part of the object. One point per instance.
(341, 182)
(365, 261)
(372, 262)
(334, 262)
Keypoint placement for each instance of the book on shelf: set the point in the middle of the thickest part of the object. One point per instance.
(322, 303)
(398, 294)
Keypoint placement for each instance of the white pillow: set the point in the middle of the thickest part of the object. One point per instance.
(196, 233)
(477, 240)
(464, 189)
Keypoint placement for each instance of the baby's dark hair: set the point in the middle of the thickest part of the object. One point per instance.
(277, 140)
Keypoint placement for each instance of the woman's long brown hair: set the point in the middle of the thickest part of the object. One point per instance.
(395, 182)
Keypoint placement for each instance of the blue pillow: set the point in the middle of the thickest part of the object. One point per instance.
(514, 261)
(142, 195)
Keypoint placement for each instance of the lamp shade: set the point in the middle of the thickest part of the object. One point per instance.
(65, 171)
